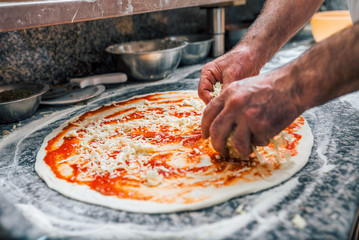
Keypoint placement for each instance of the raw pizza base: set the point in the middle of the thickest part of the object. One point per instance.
(217, 195)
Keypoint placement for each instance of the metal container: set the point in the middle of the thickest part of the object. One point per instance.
(216, 23)
(19, 101)
(197, 49)
(147, 60)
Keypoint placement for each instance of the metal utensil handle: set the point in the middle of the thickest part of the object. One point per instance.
(109, 78)
(354, 234)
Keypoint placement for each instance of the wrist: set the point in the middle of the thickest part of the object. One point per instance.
(288, 84)
(250, 54)
(303, 87)
(260, 47)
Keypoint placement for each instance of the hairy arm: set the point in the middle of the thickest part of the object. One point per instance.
(328, 70)
(277, 23)
(260, 107)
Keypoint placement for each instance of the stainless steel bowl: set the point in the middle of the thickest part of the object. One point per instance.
(147, 60)
(19, 101)
(197, 49)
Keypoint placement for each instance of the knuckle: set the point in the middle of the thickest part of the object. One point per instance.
(207, 67)
(234, 101)
(201, 93)
(259, 141)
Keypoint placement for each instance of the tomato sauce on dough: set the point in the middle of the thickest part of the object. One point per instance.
(132, 148)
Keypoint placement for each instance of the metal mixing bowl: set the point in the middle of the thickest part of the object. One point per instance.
(147, 60)
(197, 49)
(19, 101)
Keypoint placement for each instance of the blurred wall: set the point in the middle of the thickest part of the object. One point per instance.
(55, 54)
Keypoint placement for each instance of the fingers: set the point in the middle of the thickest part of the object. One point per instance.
(218, 120)
(220, 131)
(242, 139)
(209, 114)
(260, 140)
(259, 127)
(205, 88)
(209, 76)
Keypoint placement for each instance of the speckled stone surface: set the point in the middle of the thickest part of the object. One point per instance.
(325, 192)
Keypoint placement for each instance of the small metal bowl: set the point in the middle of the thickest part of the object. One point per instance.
(19, 101)
(197, 49)
(147, 60)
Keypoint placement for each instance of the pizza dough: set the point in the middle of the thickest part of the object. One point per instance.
(146, 155)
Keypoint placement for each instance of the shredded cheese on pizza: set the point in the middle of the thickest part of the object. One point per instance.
(150, 148)
(217, 89)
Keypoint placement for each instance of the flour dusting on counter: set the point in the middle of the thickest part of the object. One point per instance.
(327, 186)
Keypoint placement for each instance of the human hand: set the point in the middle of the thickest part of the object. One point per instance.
(256, 109)
(237, 64)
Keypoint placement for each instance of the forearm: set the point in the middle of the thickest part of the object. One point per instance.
(277, 23)
(328, 70)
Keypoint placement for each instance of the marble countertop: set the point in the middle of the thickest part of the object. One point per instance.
(325, 193)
